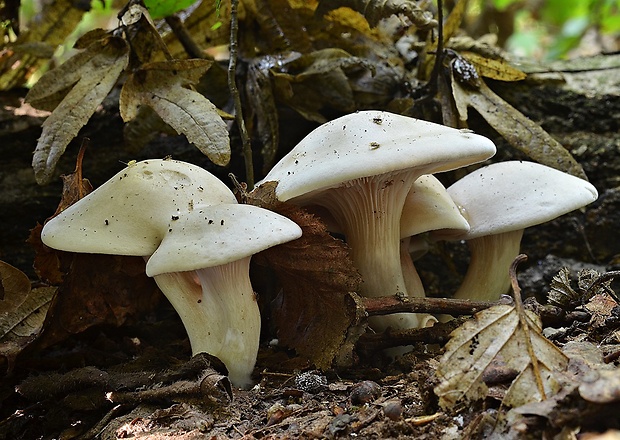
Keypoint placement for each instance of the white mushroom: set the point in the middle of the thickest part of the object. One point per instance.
(361, 167)
(197, 242)
(207, 251)
(499, 201)
(428, 207)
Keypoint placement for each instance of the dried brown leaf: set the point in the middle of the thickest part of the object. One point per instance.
(451, 25)
(162, 86)
(314, 313)
(499, 333)
(22, 311)
(494, 68)
(317, 80)
(93, 73)
(262, 107)
(278, 26)
(561, 292)
(522, 133)
(376, 10)
(96, 290)
(52, 25)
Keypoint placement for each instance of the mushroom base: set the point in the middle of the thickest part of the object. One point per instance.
(219, 311)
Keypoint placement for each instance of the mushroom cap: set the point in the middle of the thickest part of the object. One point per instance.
(428, 207)
(214, 235)
(369, 143)
(129, 214)
(513, 195)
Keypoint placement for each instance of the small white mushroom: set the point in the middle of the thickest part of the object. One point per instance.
(197, 242)
(360, 167)
(204, 260)
(499, 201)
(428, 207)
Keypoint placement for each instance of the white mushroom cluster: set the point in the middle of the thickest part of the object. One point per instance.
(197, 242)
(370, 176)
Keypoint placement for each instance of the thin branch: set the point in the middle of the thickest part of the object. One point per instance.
(186, 40)
(392, 304)
(234, 92)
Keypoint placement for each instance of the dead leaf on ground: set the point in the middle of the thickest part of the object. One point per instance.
(521, 132)
(494, 334)
(162, 86)
(22, 311)
(86, 78)
(313, 313)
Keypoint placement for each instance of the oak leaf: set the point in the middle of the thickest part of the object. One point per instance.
(74, 90)
(163, 87)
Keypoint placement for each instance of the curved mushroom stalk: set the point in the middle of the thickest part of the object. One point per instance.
(487, 275)
(368, 211)
(203, 262)
(219, 311)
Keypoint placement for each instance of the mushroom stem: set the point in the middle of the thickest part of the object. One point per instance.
(220, 314)
(413, 283)
(368, 210)
(487, 275)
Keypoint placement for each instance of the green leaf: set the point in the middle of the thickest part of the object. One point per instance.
(165, 8)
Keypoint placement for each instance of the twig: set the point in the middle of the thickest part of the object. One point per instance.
(393, 304)
(234, 92)
(186, 40)
(437, 334)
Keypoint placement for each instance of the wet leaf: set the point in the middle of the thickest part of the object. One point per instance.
(162, 86)
(88, 77)
(313, 313)
(522, 133)
(499, 333)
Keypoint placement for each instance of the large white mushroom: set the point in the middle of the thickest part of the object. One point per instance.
(197, 242)
(499, 201)
(360, 167)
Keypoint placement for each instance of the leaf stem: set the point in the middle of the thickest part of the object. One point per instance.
(523, 323)
(234, 92)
